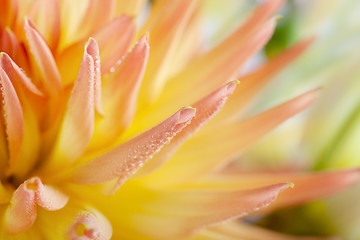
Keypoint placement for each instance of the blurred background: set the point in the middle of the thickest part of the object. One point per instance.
(327, 136)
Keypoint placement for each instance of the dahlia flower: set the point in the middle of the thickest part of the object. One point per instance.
(103, 138)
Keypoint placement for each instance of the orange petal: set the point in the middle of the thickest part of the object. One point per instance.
(127, 158)
(182, 213)
(46, 17)
(13, 116)
(113, 39)
(46, 196)
(97, 13)
(166, 27)
(252, 83)
(205, 75)
(78, 125)
(80, 18)
(43, 59)
(8, 12)
(21, 81)
(308, 186)
(121, 94)
(21, 213)
(90, 226)
(206, 109)
(204, 152)
(224, 63)
(11, 45)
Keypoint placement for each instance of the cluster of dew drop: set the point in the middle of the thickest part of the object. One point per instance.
(119, 61)
(138, 155)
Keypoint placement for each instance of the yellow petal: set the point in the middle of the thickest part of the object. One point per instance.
(131, 8)
(46, 16)
(78, 124)
(166, 28)
(113, 39)
(182, 213)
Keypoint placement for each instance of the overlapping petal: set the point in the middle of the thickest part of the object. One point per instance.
(21, 213)
(122, 161)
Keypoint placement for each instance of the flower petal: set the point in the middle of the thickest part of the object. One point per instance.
(90, 226)
(202, 153)
(224, 63)
(8, 12)
(182, 213)
(80, 18)
(127, 158)
(21, 213)
(21, 81)
(206, 109)
(43, 59)
(113, 40)
(46, 196)
(121, 95)
(13, 115)
(46, 17)
(78, 124)
(252, 83)
(307, 186)
(11, 45)
(164, 41)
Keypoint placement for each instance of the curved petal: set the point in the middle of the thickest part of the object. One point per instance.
(78, 124)
(8, 12)
(43, 59)
(124, 160)
(90, 226)
(21, 213)
(121, 95)
(166, 27)
(224, 63)
(113, 39)
(21, 81)
(206, 109)
(13, 116)
(46, 17)
(252, 83)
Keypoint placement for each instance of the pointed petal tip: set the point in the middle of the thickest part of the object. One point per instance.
(91, 47)
(231, 86)
(185, 114)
